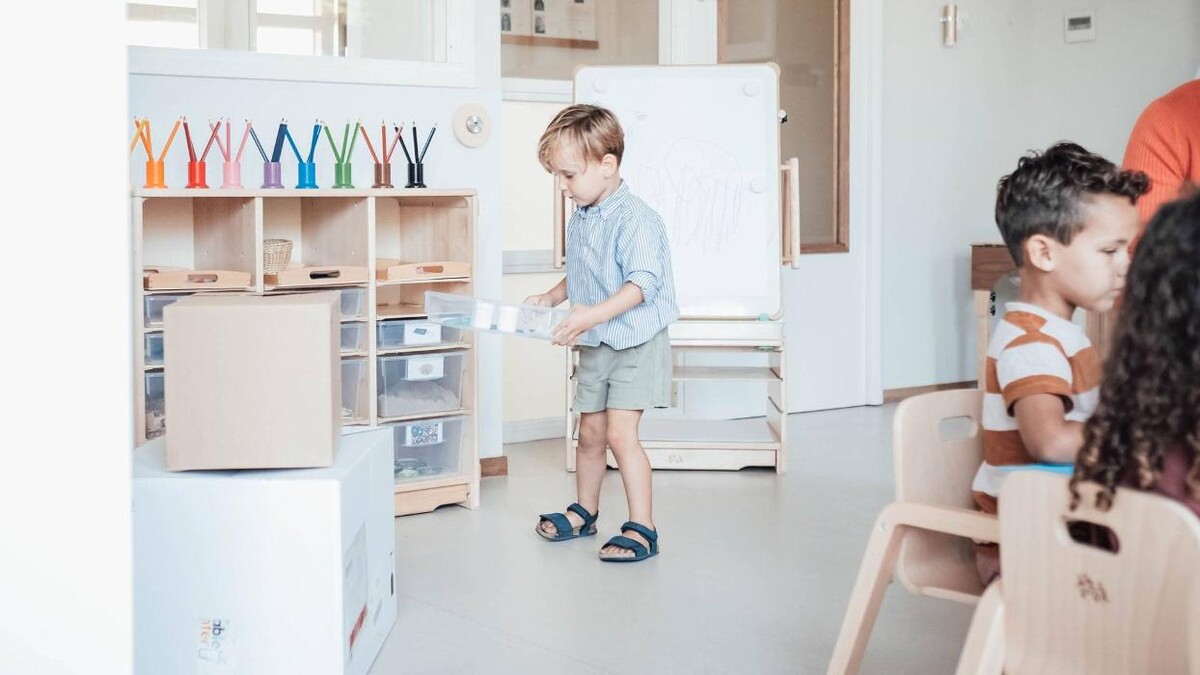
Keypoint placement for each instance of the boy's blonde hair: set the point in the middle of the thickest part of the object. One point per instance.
(595, 131)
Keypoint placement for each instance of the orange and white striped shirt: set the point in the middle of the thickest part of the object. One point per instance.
(1031, 352)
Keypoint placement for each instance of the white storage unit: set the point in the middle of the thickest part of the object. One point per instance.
(265, 572)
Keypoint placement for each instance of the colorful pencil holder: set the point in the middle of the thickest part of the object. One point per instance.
(272, 175)
(383, 175)
(341, 175)
(231, 173)
(416, 175)
(196, 175)
(307, 176)
(155, 174)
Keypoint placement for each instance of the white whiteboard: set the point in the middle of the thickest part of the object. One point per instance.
(702, 149)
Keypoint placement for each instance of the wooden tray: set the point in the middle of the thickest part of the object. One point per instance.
(178, 278)
(331, 275)
(390, 269)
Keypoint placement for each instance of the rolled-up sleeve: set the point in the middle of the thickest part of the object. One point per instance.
(640, 250)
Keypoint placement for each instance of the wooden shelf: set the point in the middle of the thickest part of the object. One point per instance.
(412, 484)
(384, 312)
(422, 349)
(763, 374)
(292, 193)
(425, 416)
(355, 354)
(426, 282)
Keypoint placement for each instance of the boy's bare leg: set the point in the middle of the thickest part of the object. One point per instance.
(590, 464)
(635, 473)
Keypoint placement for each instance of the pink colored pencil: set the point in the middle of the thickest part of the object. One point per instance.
(369, 146)
(215, 130)
(245, 135)
(392, 149)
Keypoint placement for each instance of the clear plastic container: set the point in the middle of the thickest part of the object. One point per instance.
(353, 300)
(401, 333)
(154, 304)
(354, 337)
(420, 384)
(465, 312)
(156, 406)
(354, 375)
(154, 349)
(427, 448)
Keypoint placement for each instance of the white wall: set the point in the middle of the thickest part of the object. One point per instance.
(448, 164)
(956, 119)
(65, 547)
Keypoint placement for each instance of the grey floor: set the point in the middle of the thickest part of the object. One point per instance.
(754, 575)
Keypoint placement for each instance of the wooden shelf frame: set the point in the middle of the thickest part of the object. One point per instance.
(214, 228)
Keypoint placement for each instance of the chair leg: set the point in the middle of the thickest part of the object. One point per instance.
(873, 576)
(983, 652)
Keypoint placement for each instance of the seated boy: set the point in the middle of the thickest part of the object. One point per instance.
(1067, 217)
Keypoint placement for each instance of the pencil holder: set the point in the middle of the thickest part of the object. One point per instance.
(155, 174)
(383, 175)
(272, 175)
(307, 176)
(231, 173)
(196, 175)
(341, 175)
(416, 175)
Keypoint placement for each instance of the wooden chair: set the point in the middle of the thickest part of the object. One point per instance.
(925, 535)
(1063, 607)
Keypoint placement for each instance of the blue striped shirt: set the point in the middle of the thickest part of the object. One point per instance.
(618, 240)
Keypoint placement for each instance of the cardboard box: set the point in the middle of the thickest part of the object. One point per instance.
(253, 382)
(285, 571)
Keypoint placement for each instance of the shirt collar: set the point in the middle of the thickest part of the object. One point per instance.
(606, 206)
(1045, 314)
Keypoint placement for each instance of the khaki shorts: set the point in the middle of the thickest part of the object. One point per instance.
(636, 378)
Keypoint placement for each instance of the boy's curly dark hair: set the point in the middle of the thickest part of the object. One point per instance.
(1044, 194)
(1150, 396)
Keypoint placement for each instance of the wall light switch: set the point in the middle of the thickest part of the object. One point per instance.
(1079, 26)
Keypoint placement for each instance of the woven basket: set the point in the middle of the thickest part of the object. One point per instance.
(277, 253)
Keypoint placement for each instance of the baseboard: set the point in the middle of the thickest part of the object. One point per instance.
(493, 466)
(896, 395)
(523, 431)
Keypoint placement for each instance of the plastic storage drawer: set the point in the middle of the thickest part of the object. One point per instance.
(154, 349)
(402, 333)
(354, 375)
(428, 448)
(420, 384)
(154, 304)
(353, 300)
(354, 337)
(156, 406)
(460, 311)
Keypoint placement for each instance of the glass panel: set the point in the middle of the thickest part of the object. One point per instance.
(547, 39)
(293, 7)
(799, 35)
(410, 30)
(171, 34)
(298, 41)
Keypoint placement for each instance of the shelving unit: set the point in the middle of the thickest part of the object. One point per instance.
(338, 236)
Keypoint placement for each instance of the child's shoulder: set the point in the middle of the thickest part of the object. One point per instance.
(1029, 325)
(634, 209)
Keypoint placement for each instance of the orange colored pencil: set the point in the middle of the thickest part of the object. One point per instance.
(169, 139)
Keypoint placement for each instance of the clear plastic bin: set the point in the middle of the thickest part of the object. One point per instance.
(354, 337)
(154, 304)
(154, 349)
(156, 406)
(354, 375)
(420, 384)
(427, 448)
(465, 312)
(401, 333)
(353, 300)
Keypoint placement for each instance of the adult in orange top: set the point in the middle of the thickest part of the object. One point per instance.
(1165, 144)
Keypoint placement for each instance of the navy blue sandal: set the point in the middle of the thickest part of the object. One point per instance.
(640, 552)
(562, 527)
